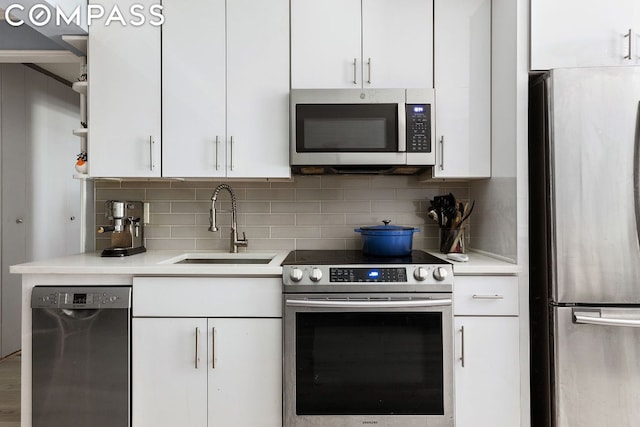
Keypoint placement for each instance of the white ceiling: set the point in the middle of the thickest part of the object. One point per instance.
(61, 63)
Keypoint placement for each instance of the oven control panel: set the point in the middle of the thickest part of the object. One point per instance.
(368, 275)
(395, 276)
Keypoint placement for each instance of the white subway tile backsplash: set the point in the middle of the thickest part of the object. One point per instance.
(317, 194)
(346, 206)
(296, 207)
(178, 232)
(271, 194)
(295, 232)
(320, 219)
(345, 181)
(245, 206)
(171, 244)
(190, 207)
(339, 232)
(272, 244)
(326, 244)
(307, 212)
(105, 194)
(171, 194)
(374, 194)
(173, 219)
(157, 232)
(270, 219)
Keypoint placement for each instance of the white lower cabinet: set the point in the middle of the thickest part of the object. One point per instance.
(167, 388)
(206, 371)
(487, 352)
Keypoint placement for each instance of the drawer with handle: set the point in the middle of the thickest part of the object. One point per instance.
(485, 296)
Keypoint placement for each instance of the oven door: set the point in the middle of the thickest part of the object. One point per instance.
(351, 360)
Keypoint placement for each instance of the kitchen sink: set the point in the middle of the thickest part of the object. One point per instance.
(222, 258)
(224, 261)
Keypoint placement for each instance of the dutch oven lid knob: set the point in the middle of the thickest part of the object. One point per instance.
(386, 221)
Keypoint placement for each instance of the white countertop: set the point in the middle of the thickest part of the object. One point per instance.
(155, 263)
(481, 264)
(160, 263)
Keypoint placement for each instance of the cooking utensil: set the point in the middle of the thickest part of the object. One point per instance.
(387, 240)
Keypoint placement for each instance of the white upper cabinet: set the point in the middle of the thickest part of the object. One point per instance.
(356, 44)
(223, 92)
(225, 89)
(193, 88)
(124, 97)
(397, 43)
(579, 33)
(462, 63)
(258, 89)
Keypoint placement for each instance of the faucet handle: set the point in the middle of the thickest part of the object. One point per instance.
(243, 242)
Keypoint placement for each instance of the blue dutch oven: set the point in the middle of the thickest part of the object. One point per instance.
(387, 240)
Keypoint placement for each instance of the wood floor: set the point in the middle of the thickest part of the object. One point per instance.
(10, 391)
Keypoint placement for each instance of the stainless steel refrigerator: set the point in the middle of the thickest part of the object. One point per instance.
(585, 252)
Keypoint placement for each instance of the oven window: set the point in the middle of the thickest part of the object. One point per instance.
(346, 128)
(369, 363)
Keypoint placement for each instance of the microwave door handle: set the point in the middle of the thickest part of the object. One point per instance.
(402, 126)
(369, 304)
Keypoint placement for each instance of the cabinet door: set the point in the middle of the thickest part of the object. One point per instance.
(245, 372)
(124, 97)
(258, 89)
(168, 389)
(575, 33)
(463, 88)
(325, 44)
(487, 374)
(193, 88)
(397, 43)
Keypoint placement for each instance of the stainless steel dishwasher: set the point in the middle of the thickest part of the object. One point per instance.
(81, 364)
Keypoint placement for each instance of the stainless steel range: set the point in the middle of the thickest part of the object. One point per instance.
(367, 341)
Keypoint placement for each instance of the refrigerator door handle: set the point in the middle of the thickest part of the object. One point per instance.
(594, 318)
(636, 173)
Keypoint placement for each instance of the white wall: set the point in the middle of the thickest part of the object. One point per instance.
(495, 228)
(501, 221)
(37, 154)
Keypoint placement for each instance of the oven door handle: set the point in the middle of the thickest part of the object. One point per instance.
(418, 302)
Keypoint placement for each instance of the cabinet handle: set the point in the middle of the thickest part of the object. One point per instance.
(197, 352)
(151, 162)
(232, 153)
(442, 152)
(355, 72)
(369, 64)
(217, 145)
(494, 296)
(628, 36)
(462, 346)
(213, 348)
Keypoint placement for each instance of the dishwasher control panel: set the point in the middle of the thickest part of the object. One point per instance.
(81, 297)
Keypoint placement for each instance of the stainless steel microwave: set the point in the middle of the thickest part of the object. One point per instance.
(362, 130)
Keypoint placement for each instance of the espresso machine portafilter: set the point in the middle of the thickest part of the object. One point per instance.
(126, 228)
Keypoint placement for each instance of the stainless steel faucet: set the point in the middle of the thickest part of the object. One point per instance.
(234, 242)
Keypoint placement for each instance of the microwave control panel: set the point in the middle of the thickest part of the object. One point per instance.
(418, 128)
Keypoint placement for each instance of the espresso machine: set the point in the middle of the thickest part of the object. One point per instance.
(126, 228)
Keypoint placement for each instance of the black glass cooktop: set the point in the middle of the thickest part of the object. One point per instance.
(343, 257)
